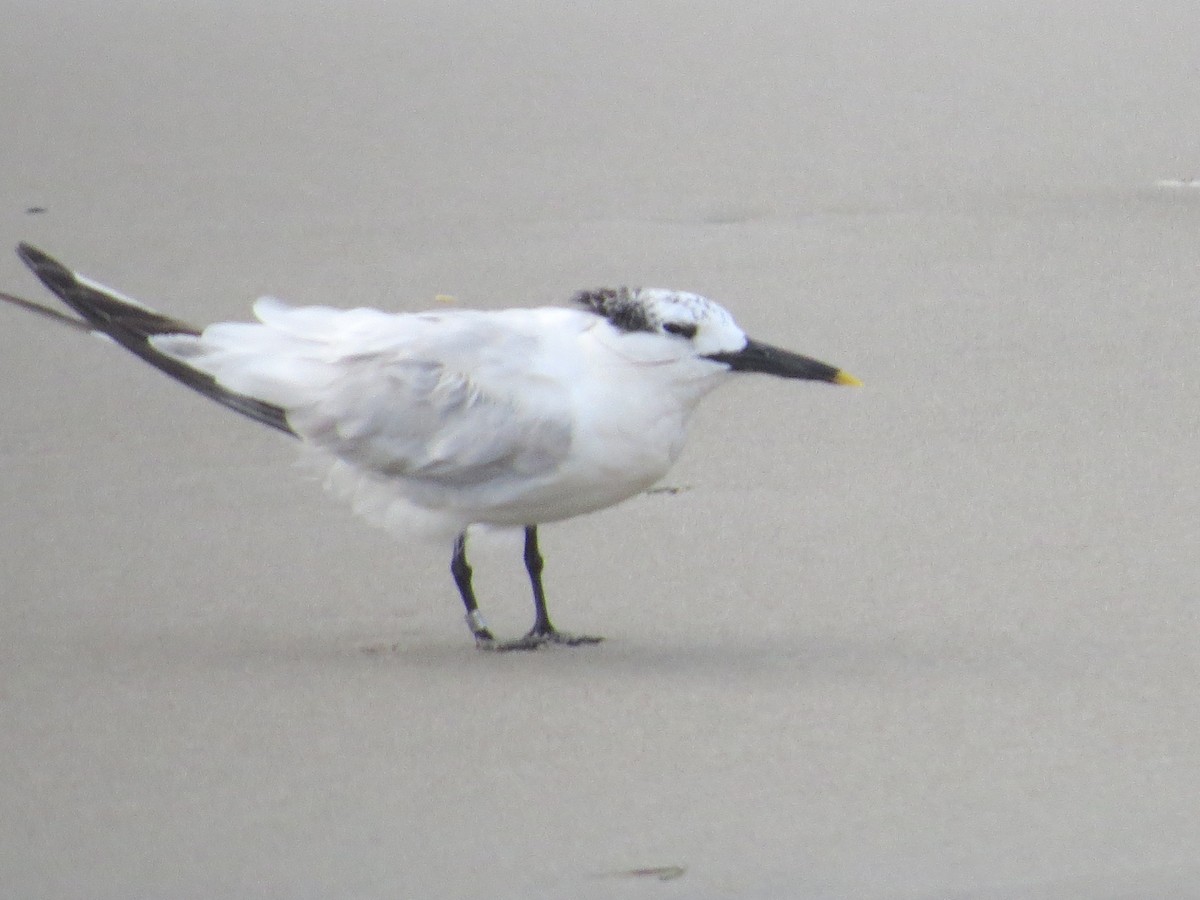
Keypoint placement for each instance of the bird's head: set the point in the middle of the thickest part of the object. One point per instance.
(660, 326)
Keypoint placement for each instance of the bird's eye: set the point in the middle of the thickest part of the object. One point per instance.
(683, 329)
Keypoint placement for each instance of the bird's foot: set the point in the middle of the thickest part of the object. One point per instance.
(479, 628)
(537, 638)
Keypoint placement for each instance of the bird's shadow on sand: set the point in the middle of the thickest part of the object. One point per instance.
(811, 655)
(615, 657)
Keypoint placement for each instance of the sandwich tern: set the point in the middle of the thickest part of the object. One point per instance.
(439, 421)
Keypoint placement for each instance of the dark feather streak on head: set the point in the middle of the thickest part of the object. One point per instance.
(620, 306)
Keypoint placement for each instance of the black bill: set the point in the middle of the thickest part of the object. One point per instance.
(759, 357)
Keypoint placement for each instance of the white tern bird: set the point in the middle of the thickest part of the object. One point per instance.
(441, 420)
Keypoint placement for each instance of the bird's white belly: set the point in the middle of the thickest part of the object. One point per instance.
(623, 440)
(627, 431)
(600, 474)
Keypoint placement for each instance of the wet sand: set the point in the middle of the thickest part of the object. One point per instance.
(933, 638)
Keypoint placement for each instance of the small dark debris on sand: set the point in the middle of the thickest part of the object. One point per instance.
(662, 873)
(668, 490)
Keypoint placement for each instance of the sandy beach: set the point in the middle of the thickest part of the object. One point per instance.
(933, 638)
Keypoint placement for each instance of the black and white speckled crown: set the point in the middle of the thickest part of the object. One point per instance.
(622, 306)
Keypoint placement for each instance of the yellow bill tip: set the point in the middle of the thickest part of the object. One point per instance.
(847, 379)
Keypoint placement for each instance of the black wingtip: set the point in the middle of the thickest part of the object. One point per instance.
(132, 325)
(30, 253)
(52, 273)
(35, 258)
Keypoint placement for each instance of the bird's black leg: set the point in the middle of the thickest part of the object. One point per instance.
(542, 631)
(462, 578)
(534, 565)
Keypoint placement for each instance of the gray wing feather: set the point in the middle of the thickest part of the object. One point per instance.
(424, 419)
(452, 398)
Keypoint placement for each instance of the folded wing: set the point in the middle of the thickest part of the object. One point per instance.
(451, 398)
